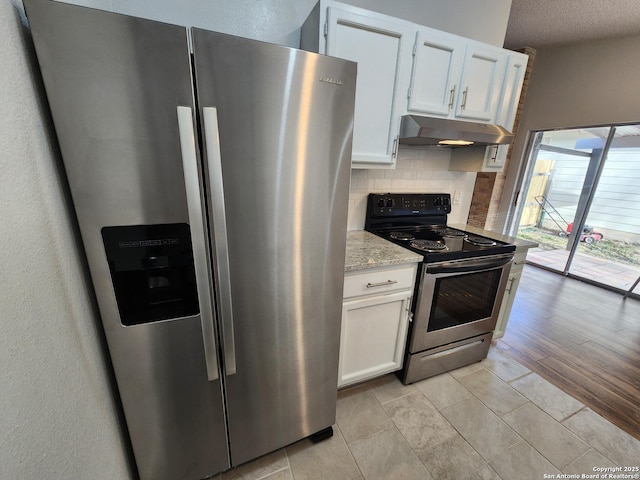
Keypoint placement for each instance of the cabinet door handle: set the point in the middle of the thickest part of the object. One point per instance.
(408, 310)
(452, 93)
(495, 154)
(464, 98)
(381, 284)
(508, 289)
(433, 356)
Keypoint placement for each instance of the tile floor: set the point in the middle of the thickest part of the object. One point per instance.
(491, 420)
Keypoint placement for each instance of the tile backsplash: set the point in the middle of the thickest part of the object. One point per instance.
(418, 170)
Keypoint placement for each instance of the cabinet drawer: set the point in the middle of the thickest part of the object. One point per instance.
(376, 281)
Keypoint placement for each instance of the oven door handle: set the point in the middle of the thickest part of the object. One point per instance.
(469, 265)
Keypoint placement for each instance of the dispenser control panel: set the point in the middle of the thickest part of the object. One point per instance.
(152, 272)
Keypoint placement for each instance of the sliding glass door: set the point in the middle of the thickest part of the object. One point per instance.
(611, 234)
(581, 203)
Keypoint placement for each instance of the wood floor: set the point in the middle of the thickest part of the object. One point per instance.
(583, 339)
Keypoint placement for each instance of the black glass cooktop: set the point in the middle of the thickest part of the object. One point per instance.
(439, 242)
(418, 222)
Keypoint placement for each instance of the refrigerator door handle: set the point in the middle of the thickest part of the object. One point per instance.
(198, 237)
(214, 163)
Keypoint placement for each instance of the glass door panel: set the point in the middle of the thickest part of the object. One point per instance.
(465, 298)
(582, 204)
(562, 164)
(608, 249)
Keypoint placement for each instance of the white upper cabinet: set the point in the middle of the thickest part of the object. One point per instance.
(455, 77)
(435, 77)
(481, 82)
(408, 68)
(381, 46)
(378, 46)
(512, 87)
(495, 156)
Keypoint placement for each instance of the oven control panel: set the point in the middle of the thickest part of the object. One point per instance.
(406, 204)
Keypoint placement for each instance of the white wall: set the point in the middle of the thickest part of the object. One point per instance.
(57, 415)
(279, 21)
(573, 86)
(276, 21)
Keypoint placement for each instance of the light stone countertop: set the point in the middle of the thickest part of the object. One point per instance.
(366, 250)
(519, 243)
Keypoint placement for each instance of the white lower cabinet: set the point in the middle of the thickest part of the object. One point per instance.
(510, 294)
(375, 321)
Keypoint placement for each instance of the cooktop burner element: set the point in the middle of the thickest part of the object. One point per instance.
(479, 241)
(449, 232)
(401, 236)
(428, 245)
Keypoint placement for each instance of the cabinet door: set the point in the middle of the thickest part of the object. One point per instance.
(437, 66)
(511, 89)
(382, 49)
(482, 77)
(374, 332)
(496, 156)
(507, 303)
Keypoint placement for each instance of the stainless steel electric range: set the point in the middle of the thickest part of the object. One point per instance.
(460, 283)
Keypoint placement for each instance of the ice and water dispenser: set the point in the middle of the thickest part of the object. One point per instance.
(152, 272)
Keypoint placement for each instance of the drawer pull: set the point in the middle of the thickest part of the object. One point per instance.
(451, 351)
(510, 284)
(381, 284)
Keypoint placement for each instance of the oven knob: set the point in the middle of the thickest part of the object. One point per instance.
(437, 202)
(445, 201)
(381, 202)
(389, 202)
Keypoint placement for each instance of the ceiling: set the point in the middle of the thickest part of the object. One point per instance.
(555, 22)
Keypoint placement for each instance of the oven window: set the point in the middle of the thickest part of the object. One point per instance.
(463, 299)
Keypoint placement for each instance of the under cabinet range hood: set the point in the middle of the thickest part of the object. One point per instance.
(418, 130)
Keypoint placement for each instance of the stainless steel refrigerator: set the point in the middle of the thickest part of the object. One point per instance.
(209, 176)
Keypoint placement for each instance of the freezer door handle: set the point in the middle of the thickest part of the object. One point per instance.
(221, 250)
(198, 237)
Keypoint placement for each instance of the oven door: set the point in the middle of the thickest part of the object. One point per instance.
(458, 299)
